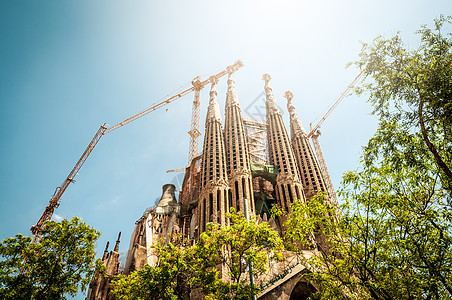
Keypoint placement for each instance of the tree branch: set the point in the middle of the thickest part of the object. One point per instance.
(429, 144)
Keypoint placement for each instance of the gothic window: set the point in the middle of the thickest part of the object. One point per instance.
(211, 204)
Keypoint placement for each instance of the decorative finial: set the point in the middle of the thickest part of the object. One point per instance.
(267, 78)
(213, 110)
(104, 257)
(213, 79)
(295, 123)
(238, 64)
(230, 79)
(117, 242)
(288, 95)
(230, 70)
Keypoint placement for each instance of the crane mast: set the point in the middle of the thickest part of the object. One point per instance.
(103, 130)
(194, 132)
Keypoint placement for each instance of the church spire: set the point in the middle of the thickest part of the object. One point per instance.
(117, 242)
(213, 111)
(310, 174)
(270, 104)
(237, 154)
(296, 128)
(231, 95)
(288, 184)
(104, 257)
(213, 200)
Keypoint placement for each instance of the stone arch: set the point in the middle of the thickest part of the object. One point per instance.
(293, 288)
(302, 290)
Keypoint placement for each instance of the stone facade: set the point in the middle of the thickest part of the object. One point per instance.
(99, 287)
(237, 153)
(223, 177)
(288, 184)
(308, 166)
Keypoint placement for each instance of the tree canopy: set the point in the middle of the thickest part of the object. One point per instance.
(182, 268)
(59, 264)
(394, 240)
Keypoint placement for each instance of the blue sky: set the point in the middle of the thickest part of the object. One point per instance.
(66, 67)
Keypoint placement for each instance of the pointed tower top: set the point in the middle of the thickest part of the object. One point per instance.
(272, 108)
(104, 257)
(288, 95)
(267, 78)
(231, 95)
(295, 123)
(213, 111)
(117, 242)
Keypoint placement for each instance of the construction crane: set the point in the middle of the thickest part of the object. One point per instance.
(103, 130)
(315, 133)
(194, 132)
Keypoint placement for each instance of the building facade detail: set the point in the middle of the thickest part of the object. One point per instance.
(213, 200)
(99, 287)
(237, 153)
(288, 185)
(308, 166)
(248, 159)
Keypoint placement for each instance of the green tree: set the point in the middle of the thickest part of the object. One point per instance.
(219, 251)
(160, 281)
(230, 250)
(394, 240)
(59, 264)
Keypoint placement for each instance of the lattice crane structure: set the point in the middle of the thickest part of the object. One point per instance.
(315, 133)
(197, 85)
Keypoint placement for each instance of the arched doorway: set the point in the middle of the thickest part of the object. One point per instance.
(302, 290)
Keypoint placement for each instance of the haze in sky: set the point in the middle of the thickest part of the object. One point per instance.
(67, 67)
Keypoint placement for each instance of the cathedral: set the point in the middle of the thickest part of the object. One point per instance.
(242, 160)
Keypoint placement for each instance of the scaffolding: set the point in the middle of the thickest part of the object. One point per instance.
(256, 136)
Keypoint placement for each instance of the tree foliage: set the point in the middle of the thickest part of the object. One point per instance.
(60, 263)
(394, 240)
(232, 248)
(156, 282)
(220, 254)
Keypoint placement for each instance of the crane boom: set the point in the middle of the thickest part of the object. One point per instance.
(335, 104)
(55, 199)
(194, 129)
(315, 133)
(236, 65)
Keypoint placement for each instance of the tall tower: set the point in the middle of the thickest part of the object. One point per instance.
(311, 176)
(288, 184)
(213, 199)
(237, 154)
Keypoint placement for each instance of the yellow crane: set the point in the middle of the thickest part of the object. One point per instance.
(197, 85)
